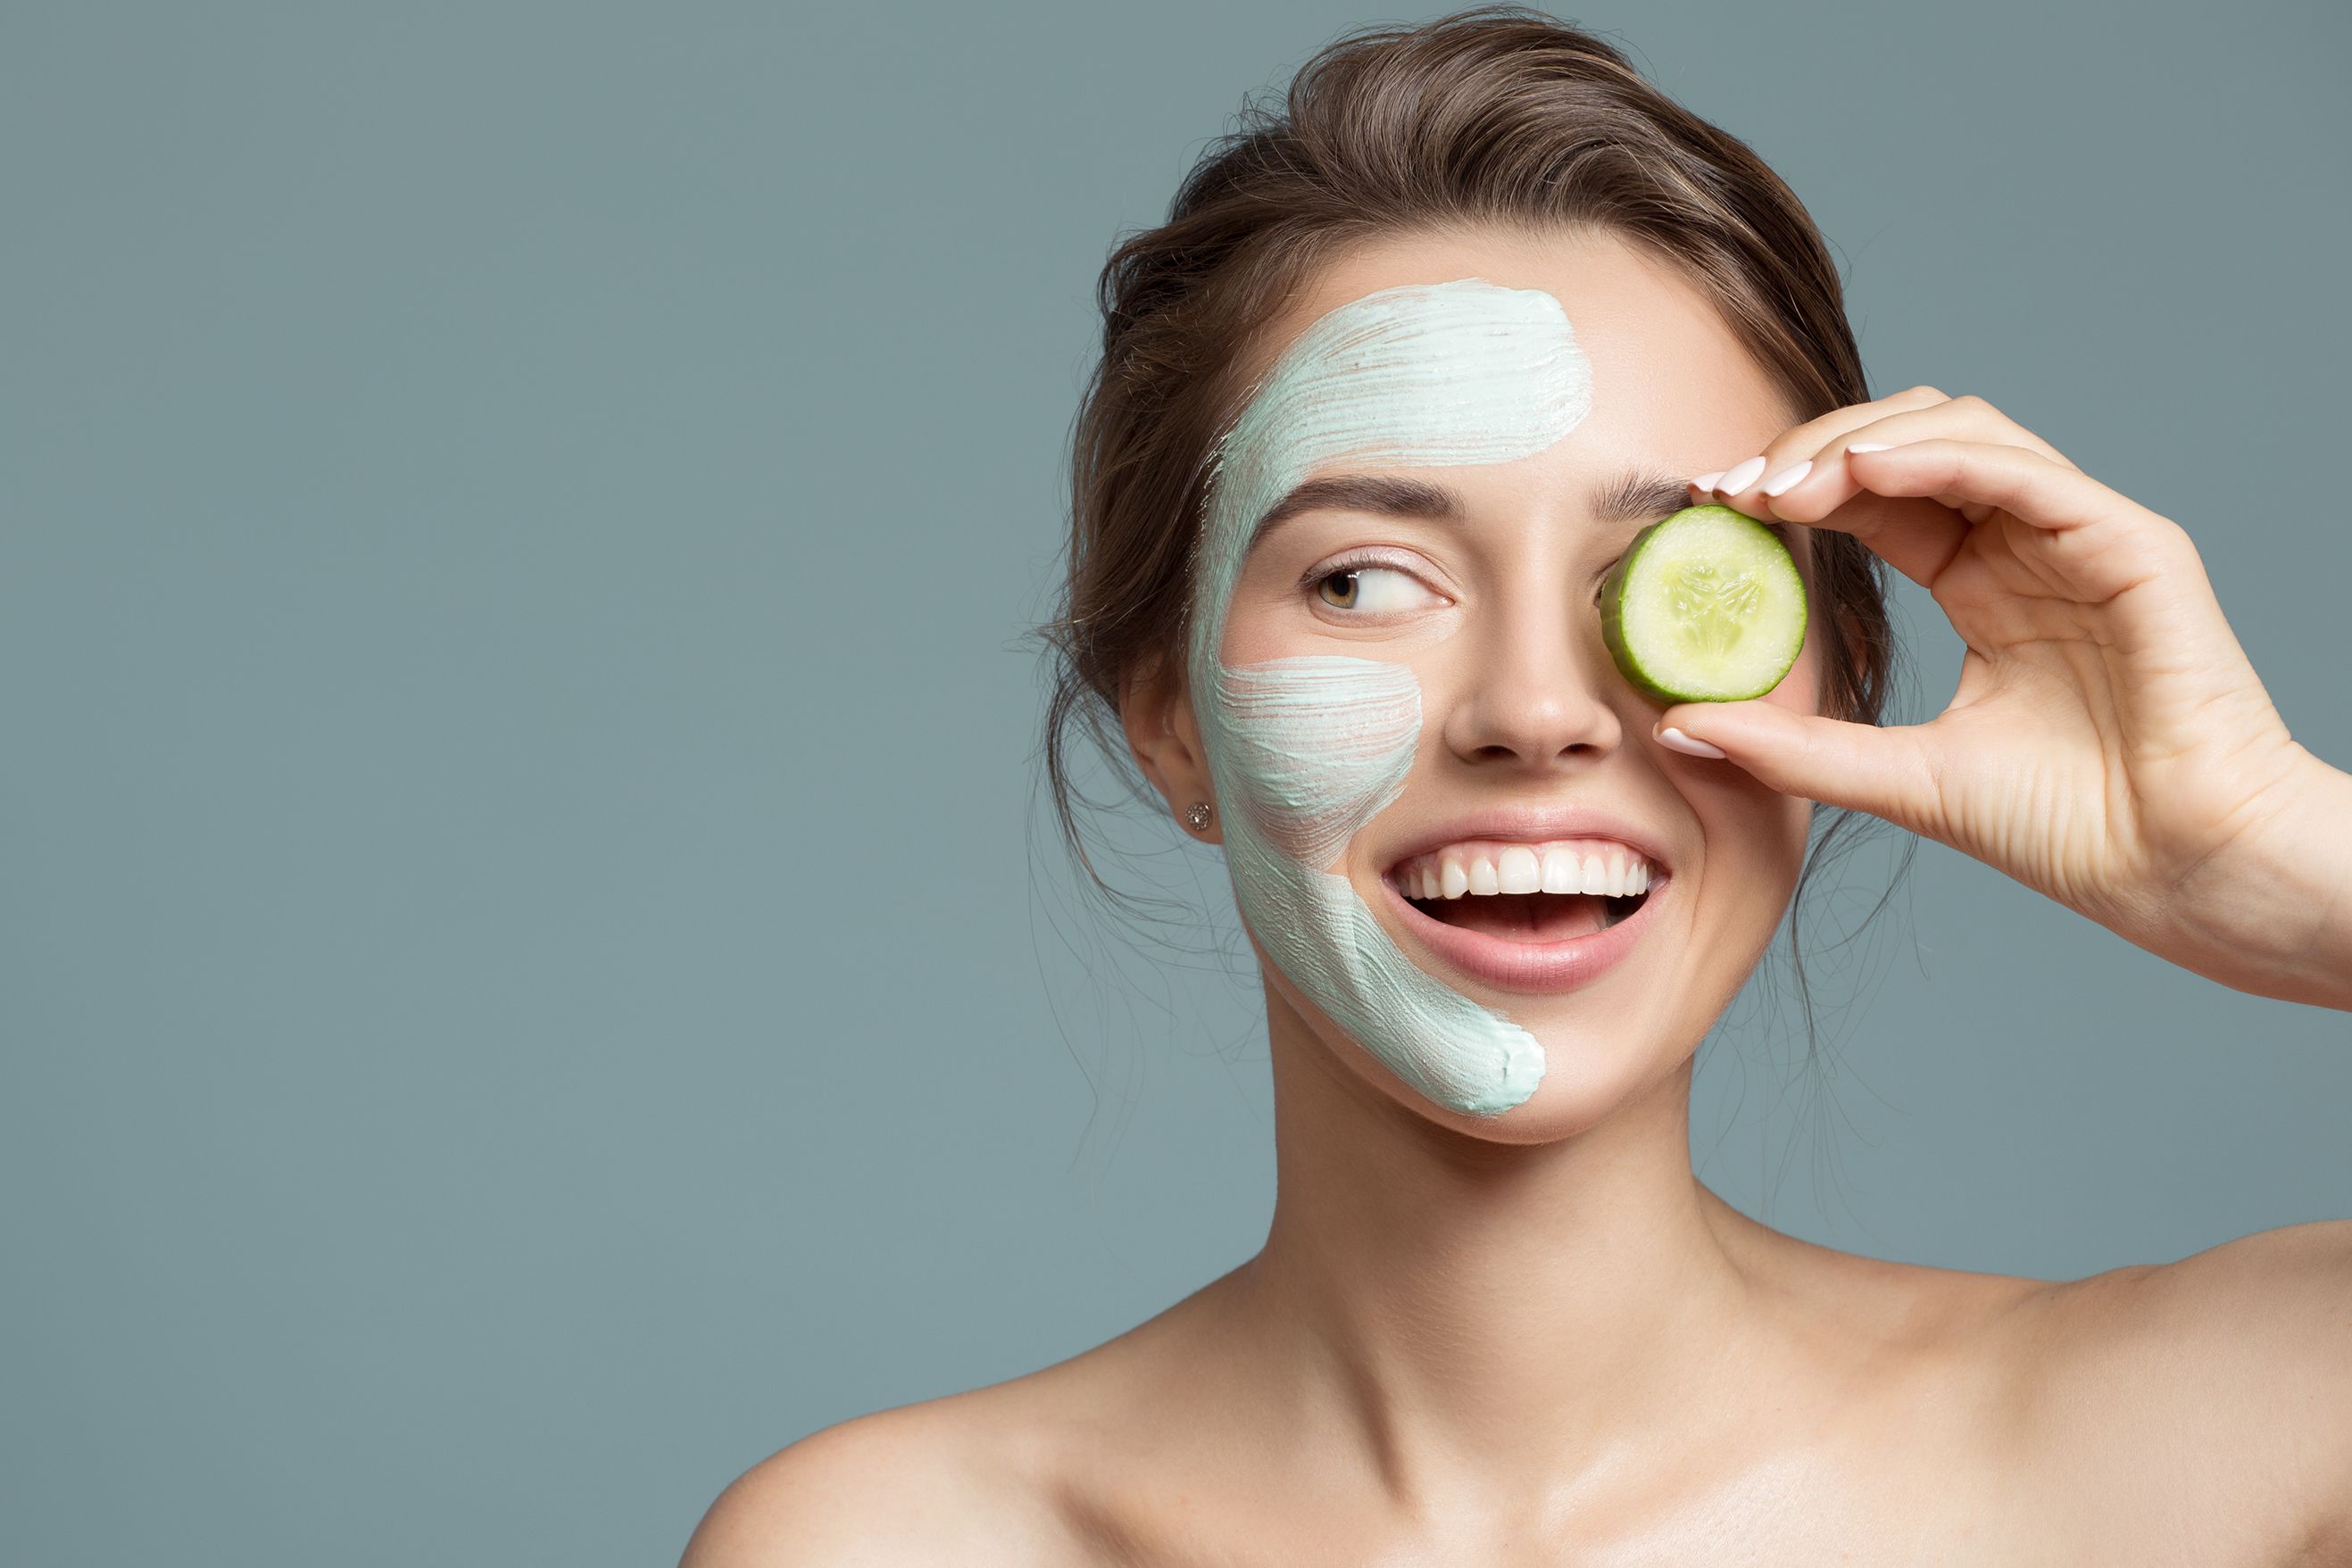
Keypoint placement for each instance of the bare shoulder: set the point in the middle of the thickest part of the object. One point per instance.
(1008, 1473)
(943, 1480)
(2217, 1388)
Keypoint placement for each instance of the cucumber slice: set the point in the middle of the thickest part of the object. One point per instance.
(1704, 606)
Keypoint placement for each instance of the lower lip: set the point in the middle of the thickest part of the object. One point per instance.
(1534, 966)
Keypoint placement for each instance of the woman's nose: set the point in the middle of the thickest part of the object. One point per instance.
(1535, 685)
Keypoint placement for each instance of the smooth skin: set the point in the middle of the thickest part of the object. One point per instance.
(1538, 1338)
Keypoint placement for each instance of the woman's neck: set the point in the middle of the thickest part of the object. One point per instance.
(1469, 1315)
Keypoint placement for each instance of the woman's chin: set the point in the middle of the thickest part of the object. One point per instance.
(1594, 1064)
(1589, 1077)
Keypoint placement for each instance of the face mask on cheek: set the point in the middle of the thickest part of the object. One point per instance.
(1305, 751)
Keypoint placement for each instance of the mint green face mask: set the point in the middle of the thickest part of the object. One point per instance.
(1305, 751)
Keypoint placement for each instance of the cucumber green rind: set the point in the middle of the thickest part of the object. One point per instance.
(1656, 651)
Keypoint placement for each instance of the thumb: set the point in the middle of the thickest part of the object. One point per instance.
(1884, 771)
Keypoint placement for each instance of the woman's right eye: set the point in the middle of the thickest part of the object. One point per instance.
(1368, 588)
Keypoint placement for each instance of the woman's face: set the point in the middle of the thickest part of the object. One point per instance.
(1454, 697)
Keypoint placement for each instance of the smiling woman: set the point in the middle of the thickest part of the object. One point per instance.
(1379, 407)
(1511, 376)
(1697, 204)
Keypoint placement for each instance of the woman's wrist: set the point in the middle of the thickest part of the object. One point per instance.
(2272, 916)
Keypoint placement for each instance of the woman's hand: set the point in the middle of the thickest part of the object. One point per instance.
(2109, 745)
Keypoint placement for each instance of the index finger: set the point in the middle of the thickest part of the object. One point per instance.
(1918, 536)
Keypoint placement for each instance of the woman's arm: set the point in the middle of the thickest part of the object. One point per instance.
(2271, 913)
(2109, 745)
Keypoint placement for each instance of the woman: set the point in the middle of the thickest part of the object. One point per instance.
(1378, 407)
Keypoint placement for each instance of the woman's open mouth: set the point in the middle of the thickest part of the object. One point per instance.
(1540, 917)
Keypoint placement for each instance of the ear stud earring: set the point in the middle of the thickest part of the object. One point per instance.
(1196, 816)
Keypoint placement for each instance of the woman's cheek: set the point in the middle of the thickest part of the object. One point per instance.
(1315, 746)
(1770, 830)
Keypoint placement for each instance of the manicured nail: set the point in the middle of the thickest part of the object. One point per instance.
(1673, 737)
(1787, 477)
(1738, 479)
(1707, 481)
(1870, 447)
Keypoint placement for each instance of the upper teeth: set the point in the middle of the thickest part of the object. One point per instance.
(1584, 865)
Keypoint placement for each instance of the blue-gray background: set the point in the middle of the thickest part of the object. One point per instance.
(522, 985)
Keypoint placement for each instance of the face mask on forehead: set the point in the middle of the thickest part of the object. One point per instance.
(1305, 751)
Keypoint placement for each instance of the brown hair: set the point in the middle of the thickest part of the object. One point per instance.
(1495, 115)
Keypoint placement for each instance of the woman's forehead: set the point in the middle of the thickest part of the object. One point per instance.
(1663, 363)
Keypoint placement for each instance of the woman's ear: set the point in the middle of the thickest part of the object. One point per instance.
(1156, 711)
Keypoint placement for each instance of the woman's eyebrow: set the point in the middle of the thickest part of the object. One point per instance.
(1361, 493)
(1639, 498)
(1633, 497)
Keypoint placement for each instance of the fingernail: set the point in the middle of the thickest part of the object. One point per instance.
(1675, 739)
(1738, 479)
(1707, 481)
(1870, 447)
(1787, 477)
